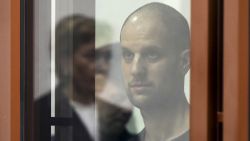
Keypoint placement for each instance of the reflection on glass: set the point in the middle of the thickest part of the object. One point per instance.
(102, 65)
(82, 111)
(112, 115)
(74, 93)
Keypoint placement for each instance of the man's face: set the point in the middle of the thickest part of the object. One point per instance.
(149, 65)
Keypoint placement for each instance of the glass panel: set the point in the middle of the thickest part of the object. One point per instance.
(150, 43)
(100, 65)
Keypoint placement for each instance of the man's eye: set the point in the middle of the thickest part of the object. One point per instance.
(128, 56)
(152, 56)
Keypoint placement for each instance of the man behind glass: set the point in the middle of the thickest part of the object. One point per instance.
(155, 41)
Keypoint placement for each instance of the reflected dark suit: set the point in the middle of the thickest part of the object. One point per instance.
(112, 121)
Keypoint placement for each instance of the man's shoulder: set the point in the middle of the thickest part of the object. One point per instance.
(183, 137)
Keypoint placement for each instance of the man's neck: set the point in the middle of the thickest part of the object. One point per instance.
(164, 123)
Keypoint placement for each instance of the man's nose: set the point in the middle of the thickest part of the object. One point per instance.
(138, 67)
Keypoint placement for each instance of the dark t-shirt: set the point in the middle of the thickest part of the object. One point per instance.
(141, 137)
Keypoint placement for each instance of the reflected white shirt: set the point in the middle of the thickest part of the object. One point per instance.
(88, 116)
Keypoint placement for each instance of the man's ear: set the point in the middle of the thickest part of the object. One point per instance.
(185, 61)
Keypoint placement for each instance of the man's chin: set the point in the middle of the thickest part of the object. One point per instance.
(143, 101)
(137, 100)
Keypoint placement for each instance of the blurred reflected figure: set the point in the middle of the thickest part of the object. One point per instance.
(155, 42)
(103, 57)
(76, 117)
(112, 116)
(75, 93)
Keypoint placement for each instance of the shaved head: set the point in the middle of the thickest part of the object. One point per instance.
(163, 19)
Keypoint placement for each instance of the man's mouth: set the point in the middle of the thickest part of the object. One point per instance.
(140, 87)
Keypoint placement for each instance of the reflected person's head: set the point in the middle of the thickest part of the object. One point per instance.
(103, 57)
(75, 48)
(154, 40)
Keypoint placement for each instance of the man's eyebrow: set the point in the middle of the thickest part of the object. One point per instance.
(151, 48)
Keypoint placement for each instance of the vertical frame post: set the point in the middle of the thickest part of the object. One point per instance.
(236, 70)
(203, 70)
(15, 70)
(10, 70)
